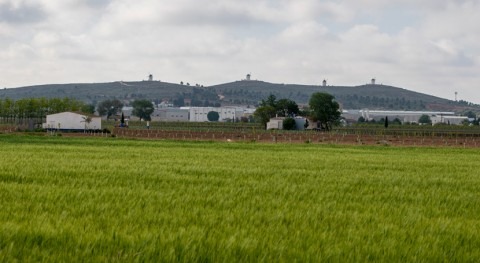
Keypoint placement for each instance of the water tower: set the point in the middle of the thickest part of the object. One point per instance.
(150, 77)
(324, 82)
(249, 77)
(373, 81)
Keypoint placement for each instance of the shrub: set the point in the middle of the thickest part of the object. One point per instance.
(289, 124)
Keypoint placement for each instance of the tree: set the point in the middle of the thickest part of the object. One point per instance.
(86, 120)
(286, 108)
(109, 107)
(263, 114)
(213, 116)
(386, 122)
(88, 109)
(325, 110)
(361, 119)
(471, 115)
(397, 121)
(122, 121)
(143, 109)
(424, 119)
(270, 108)
(289, 124)
(271, 101)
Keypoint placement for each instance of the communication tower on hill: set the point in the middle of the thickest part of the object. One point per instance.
(456, 95)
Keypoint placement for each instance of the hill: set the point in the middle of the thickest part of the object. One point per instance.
(242, 93)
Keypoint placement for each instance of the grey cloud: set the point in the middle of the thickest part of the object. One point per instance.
(96, 3)
(22, 14)
(463, 60)
(213, 16)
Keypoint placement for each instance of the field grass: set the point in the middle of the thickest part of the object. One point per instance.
(108, 200)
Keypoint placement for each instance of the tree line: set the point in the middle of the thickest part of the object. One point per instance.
(36, 109)
(26, 110)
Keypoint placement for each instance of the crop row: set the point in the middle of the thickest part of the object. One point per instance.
(302, 137)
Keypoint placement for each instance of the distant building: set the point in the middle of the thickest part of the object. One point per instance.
(170, 114)
(277, 123)
(199, 114)
(403, 116)
(452, 120)
(150, 77)
(324, 82)
(248, 77)
(165, 104)
(72, 121)
(373, 81)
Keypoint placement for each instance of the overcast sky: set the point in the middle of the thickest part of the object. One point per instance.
(430, 46)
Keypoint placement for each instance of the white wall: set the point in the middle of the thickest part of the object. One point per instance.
(199, 114)
(71, 121)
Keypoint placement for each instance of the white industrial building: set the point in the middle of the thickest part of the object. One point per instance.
(199, 114)
(170, 114)
(72, 121)
(193, 114)
(403, 116)
(452, 120)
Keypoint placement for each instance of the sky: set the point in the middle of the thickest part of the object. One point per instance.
(429, 46)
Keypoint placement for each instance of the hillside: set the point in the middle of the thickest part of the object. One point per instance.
(242, 93)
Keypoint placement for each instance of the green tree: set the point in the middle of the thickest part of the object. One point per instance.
(386, 122)
(286, 108)
(109, 107)
(213, 116)
(289, 124)
(88, 109)
(143, 109)
(263, 114)
(122, 121)
(270, 108)
(325, 110)
(397, 121)
(471, 115)
(270, 101)
(424, 119)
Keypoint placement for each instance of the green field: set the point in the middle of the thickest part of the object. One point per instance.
(107, 200)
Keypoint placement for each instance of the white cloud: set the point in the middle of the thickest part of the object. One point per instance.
(214, 41)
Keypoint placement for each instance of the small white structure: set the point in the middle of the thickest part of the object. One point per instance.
(275, 123)
(452, 120)
(249, 77)
(72, 121)
(150, 77)
(373, 81)
(324, 82)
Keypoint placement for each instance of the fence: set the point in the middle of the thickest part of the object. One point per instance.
(304, 137)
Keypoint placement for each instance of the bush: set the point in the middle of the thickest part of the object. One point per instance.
(213, 116)
(289, 124)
